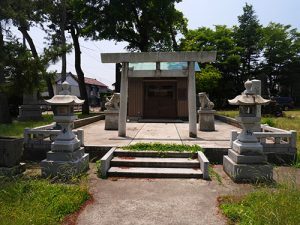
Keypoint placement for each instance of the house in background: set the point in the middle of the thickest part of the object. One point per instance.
(93, 87)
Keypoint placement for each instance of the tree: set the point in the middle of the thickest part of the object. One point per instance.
(247, 36)
(146, 25)
(72, 23)
(228, 62)
(281, 55)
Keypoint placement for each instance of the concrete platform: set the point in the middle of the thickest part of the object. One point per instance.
(177, 133)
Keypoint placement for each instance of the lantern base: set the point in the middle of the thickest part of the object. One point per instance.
(65, 168)
(247, 172)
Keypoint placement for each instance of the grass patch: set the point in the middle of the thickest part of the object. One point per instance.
(33, 201)
(16, 128)
(228, 113)
(163, 147)
(276, 206)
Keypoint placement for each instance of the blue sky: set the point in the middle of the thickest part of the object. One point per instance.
(198, 12)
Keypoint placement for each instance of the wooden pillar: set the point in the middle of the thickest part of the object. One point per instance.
(123, 100)
(256, 86)
(192, 100)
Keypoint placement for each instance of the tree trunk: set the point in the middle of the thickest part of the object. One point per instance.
(80, 74)
(29, 40)
(63, 41)
(4, 109)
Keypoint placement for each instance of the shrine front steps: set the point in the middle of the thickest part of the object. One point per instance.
(152, 164)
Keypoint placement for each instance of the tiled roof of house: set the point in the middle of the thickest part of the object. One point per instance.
(93, 81)
(87, 80)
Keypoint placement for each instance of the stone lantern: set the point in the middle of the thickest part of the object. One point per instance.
(246, 160)
(67, 157)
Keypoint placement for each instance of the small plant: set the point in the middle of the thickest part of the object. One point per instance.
(98, 167)
(268, 121)
(213, 173)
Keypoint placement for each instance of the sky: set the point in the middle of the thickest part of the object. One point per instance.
(198, 12)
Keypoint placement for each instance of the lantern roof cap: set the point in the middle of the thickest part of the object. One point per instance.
(248, 97)
(64, 97)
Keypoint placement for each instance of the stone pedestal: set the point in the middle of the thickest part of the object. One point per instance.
(111, 119)
(206, 120)
(31, 109)
(30, 112)
(11, 150)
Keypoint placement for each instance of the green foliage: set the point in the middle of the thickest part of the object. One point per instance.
(264, 206)
(268, 120)
(247, 36)
(228, 113)
(163, 147)
(208, 79)
(34, 201)
(146, 25)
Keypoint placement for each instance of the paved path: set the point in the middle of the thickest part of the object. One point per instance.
(157, 201)
(158, 132)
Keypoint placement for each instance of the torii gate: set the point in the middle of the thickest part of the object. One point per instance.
(157, 57)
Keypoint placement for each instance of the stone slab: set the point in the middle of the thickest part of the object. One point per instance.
(30, 112)
(155, 172)
(203, 56)
(105, 162)
(204, 165)
(246, 159)
(12, 171)
(154, 162)
(247, 172)
(247, 148)
(65, 169)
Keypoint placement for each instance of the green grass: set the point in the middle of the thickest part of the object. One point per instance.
(266, 206)
(163, 147)
(228, 113)
(33, 201)
(16, 128)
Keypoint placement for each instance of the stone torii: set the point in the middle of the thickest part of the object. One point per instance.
(157, 57)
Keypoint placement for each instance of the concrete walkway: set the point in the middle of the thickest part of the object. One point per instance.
(157, 201)
(178, 133)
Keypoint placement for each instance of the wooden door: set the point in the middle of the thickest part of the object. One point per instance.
(160, 100)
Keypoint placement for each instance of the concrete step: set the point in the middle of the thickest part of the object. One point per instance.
(170, 154)
(155, 162)
(146, 172)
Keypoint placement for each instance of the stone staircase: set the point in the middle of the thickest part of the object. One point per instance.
(151, 164)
